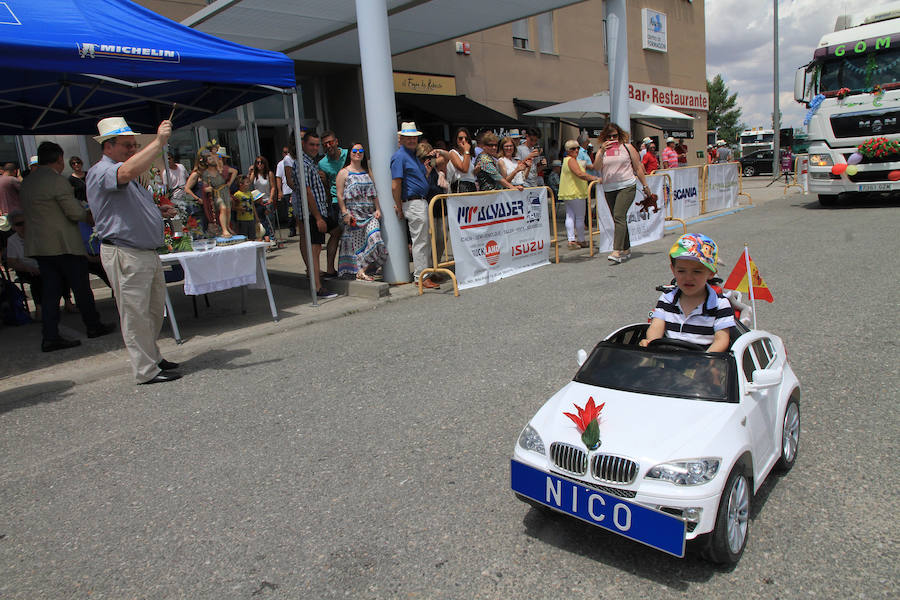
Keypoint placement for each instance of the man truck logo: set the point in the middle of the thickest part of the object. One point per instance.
(492, 252)
(91, 50)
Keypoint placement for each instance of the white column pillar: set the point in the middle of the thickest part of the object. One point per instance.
(381, 121)
(617, 40)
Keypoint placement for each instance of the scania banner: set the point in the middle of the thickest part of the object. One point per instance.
(722, 186)
(646, 217)
(685, 191)
(498, 235)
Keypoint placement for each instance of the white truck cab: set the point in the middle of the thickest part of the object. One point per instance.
(852, 91)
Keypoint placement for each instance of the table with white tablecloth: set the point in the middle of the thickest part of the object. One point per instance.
(224, 267)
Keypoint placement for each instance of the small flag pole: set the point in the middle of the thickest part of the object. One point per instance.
(750, 282)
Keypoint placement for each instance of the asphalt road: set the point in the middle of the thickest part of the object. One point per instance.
(368, 456)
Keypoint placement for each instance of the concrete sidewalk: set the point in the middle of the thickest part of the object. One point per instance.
(222, 324)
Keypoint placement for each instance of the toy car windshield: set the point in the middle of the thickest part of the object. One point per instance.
(685, 374)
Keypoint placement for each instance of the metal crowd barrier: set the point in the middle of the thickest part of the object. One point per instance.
(667, 197)
(795, 182)
(442, 266)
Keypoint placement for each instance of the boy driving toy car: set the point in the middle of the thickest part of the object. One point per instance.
(693, 311)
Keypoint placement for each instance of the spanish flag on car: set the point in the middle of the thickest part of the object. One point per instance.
(738, 279)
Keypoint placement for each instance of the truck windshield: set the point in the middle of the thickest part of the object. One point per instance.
(861, 72)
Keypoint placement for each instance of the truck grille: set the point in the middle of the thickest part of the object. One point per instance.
(613, 469)
(866, 124)
(569, 458)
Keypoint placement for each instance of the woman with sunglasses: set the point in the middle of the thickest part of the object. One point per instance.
(620, 166)
(262, 179)
(362, 250)
(512, 169)
(76, 178)
(488, 173)
(573, 189)
(461, 164)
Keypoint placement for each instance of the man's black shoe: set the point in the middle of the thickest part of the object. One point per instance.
(101, 330)
(163, 377)
(166, 365)
(58, 344)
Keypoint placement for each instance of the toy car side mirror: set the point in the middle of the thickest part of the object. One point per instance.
(764, 378)
(582, 357)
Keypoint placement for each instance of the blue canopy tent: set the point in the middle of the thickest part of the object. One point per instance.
(69, 63)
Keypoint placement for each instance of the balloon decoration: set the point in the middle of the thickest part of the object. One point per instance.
(855, 158)
(839, 168)
(894, 175)
(852, 170)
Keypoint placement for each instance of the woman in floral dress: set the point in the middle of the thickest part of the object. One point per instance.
(362, 249)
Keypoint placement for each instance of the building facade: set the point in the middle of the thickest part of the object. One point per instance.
(487, 79)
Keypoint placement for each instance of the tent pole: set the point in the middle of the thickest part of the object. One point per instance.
(381, 122)
(300, 170)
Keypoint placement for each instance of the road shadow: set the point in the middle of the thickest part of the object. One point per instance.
(573, 536)
(30, 395)
(221, 360)
(858, 202)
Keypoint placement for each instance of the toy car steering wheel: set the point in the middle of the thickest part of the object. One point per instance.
(675, 343)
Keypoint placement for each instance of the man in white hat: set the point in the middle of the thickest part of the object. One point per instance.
(669, 155)
(723, 152)
(409, 186)
(130, 227)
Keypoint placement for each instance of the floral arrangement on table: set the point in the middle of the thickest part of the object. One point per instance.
(588, 422)
(879, 147)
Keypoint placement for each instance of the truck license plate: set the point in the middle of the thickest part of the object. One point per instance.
(875, 187)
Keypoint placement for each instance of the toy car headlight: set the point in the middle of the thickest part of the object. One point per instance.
(530, 440)
(687, 472)
(820, 160)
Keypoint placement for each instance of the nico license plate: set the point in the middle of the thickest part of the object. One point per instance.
(639, 523)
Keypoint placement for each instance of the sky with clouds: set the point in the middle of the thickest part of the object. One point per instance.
(739, 48)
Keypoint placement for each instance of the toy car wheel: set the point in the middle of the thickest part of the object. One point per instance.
(726, 543)
(790, 436)
(749, 171)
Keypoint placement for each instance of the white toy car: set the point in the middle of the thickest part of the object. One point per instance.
(667, 443)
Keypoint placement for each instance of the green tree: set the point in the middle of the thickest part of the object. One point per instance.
(722, 115)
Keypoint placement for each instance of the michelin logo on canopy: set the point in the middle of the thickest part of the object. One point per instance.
(90, 50)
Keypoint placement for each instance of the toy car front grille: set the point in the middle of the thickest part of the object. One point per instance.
(613, 469)
(569, 458)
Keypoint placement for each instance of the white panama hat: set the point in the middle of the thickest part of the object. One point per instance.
(257, 195)
(408, 128)
(223, 152)
(32, 161)
(111, 127)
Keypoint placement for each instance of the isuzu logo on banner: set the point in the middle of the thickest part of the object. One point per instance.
(498, 235)
(722, 183)
(646, 217)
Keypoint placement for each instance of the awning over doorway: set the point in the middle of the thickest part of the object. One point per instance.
(325, 30)
(592, 107)
(452, 110)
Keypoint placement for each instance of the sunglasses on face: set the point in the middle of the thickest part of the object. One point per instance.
(357, 151)
(491, 145)
(463, 138)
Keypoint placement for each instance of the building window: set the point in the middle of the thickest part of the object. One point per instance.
(546, 39)
(521, 34)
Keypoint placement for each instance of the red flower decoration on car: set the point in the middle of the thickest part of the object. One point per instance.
(842, 92)
(587, 421)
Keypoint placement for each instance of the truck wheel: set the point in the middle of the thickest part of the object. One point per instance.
(827, 200)
(749, 171)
